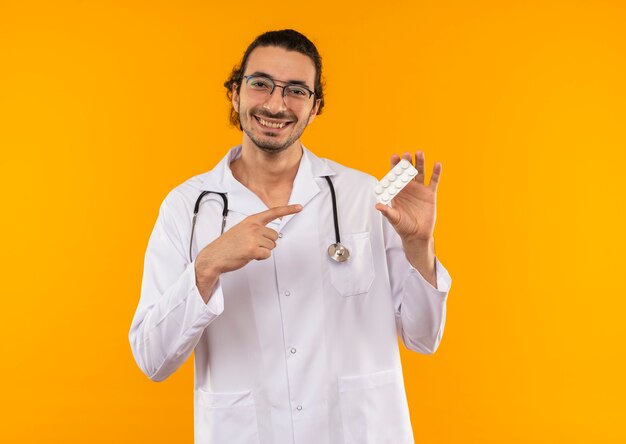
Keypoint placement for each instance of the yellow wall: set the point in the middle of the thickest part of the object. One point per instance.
(106, 106)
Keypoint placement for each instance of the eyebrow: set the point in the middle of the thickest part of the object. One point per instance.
(290, 82)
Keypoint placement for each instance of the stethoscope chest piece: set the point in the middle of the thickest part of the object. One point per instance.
(338, 252)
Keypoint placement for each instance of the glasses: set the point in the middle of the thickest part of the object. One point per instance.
(264, 86)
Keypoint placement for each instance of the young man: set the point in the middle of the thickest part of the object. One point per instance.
(293, 298)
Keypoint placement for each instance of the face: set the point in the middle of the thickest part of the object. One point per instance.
(266, 120)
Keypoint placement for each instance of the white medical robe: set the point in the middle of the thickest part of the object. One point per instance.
(296, 348)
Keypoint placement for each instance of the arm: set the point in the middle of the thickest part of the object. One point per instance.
(420, 306)
(180, 299)
(171, 315)
(419, 282)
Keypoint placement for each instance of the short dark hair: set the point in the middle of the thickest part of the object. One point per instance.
(287, 39)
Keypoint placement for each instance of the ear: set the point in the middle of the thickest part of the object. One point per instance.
(313, 112)
(235, 99)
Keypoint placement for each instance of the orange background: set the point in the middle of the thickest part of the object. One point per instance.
(106, 106)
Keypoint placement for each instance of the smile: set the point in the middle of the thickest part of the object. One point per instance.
(268, 124)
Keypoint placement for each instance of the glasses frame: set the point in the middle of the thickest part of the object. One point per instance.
(274, 85)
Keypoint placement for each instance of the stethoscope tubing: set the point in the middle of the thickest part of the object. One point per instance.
(224, 197)
(196, 208)
(335, 216)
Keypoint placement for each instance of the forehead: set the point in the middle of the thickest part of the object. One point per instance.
(281, 64)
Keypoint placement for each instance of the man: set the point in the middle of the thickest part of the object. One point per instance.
(291, 345)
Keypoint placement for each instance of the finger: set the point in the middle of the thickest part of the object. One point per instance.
(407, 156)
(269, 233)
(269, 244)
(394, 160)
(265, 217)
(434, 179)
(392, 215)
(262, 253)
(419, 166)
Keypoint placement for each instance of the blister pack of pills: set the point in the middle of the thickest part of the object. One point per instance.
(394, 181)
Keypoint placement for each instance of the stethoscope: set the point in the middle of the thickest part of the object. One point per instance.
(336, 251)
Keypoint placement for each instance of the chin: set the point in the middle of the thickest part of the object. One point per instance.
(271, 148)
(269, 144)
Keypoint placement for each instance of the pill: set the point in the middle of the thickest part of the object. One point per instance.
(394, 181)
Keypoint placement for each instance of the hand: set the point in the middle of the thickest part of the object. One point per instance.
(413, 210)
(249, 239)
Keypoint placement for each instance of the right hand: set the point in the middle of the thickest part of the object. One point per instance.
(249, 239)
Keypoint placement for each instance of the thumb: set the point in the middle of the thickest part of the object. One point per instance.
(392, 215)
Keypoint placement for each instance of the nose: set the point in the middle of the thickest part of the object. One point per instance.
(275, 102)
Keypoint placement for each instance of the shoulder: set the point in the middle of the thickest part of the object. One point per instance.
(350, 176)
(353, 188)
(182, 198)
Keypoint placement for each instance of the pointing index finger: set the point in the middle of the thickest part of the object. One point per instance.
(267, 216)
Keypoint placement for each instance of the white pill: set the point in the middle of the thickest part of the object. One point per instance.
(394, 181)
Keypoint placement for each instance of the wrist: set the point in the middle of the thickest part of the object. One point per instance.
(206, 273)
(421, 255)
(206, 278)
(417, 244)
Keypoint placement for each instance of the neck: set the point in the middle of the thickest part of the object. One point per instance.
(269, 175)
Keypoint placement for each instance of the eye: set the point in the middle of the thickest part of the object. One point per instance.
(260, 83)
(297, 91)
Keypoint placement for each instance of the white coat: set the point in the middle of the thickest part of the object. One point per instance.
(296, 348)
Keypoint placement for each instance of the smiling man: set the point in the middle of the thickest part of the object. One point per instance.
(280, 122)
(287, 279)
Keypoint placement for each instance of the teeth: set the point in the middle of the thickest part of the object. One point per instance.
(272, 124)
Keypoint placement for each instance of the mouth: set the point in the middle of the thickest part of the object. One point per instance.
(272, 124)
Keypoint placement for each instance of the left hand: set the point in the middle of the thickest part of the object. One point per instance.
(413, 210)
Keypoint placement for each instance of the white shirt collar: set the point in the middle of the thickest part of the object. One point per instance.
(242, 200)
